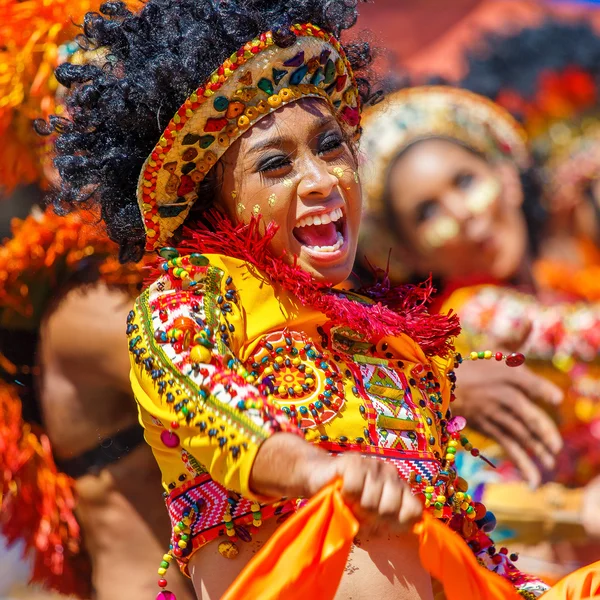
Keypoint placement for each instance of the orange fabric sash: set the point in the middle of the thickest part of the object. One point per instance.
(306, 556)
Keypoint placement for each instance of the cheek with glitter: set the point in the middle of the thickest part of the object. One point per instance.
(288, 183)
(338, 172)
(483, 195)
(440, 232)
(272, 200)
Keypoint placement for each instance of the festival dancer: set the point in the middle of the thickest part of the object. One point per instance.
(450, 181)
(78, 484)
(249, 368)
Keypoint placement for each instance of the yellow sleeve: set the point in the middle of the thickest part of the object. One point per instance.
(197, 403)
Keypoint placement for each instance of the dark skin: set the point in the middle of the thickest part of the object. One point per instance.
(439, 188)
(85, 397)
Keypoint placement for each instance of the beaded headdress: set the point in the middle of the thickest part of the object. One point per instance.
(420, 113)
(250, 84)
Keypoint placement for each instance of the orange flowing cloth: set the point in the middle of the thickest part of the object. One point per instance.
(306, 556)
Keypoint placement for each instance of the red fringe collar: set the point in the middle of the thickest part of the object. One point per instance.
(396, 310)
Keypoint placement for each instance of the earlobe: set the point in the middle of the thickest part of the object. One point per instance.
(510, 179)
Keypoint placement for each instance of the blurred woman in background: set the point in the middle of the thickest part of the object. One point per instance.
(450, 192)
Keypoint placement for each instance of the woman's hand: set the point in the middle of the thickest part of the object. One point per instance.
(289, 466)
(372, 488)
(502, 403)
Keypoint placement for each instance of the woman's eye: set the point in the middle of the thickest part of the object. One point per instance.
(463, 181)
(426, 210)
(330, 143)
(274, 163)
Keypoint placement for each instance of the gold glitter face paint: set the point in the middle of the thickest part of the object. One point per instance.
(288, 183)
(240, 208)
(234, 194)
(356, 176)
(482, 195)
(272, 200)
(338, 172)
(441, 231)
(256, 210)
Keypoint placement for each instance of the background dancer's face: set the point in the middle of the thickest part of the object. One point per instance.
(456, 214)
(296, 168)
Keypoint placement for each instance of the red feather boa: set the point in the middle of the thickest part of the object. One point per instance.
(395, 310)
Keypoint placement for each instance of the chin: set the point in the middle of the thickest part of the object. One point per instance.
(327, 274)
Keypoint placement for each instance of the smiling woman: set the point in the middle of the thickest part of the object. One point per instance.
(257, 381)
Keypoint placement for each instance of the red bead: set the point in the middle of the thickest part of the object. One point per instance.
(475, 452)
(177, 552)
(499, 356)
(162, 583)
(174, 425)
(515, 359)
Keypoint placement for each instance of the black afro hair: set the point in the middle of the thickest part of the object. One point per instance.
(156, 58)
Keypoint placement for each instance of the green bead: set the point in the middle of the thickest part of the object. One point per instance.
(438, 505)
(164, 564)
(229, 525)
(481, 355)
(198, 260)
(185, 537)
(168, 253)
(450, 450)
(221, 103)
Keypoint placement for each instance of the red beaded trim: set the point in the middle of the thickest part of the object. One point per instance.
(148, 178)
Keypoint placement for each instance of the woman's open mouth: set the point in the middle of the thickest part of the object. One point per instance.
(323, 235)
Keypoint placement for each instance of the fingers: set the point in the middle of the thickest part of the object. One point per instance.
(537, 421)
(515, 452)
(537, 387)
(519, 432)
(377, 495)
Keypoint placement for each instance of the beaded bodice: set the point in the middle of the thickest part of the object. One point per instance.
(222, 358)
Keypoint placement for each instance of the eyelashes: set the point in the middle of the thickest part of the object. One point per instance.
(329, 146)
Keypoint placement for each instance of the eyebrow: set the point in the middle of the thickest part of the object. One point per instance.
(277, 142)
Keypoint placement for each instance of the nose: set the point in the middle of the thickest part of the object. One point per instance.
(456, 205)
(316, 182)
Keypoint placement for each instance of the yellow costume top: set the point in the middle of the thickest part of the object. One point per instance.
(223, 357)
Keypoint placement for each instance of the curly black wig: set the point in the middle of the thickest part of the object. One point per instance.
(156, 58)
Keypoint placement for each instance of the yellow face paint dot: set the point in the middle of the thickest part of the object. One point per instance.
(240, 208)
(338, 172)
(234, 194)
(288, 183)
(272, 199)
(255, 209)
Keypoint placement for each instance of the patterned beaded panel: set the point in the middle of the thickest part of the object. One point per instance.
(305, 383)
(213, 504)
(398, 424)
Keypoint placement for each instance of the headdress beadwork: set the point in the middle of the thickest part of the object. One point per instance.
(249, 85)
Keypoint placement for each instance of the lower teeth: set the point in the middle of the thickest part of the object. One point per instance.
(336, 246)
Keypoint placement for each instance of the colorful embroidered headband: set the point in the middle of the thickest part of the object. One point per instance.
(249, 85)
(419, 113)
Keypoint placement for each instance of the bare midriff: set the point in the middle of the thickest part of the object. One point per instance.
(385, 567)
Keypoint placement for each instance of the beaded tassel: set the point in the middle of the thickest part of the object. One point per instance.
(181, 537)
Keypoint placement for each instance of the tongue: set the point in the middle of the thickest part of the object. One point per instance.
(317, 235)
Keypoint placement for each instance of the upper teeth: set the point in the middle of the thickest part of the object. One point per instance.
(330, 217)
